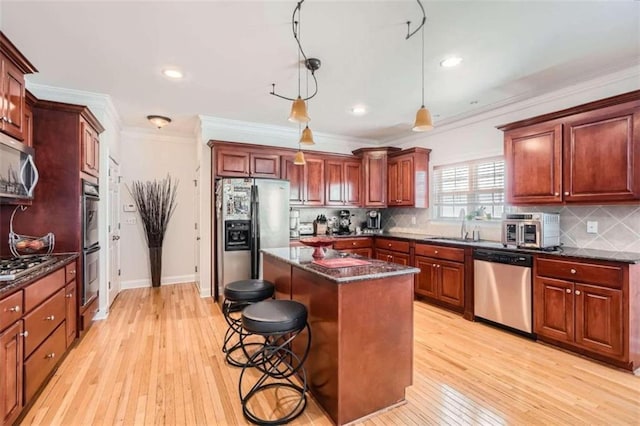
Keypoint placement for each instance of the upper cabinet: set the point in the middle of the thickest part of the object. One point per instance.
(13, 67)
(586, 154)
(374, 174)
(236, 160)
(306, 182)
(407, 178)
(90, 144)
(343, 182)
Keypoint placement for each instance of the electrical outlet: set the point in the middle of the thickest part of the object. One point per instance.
(413, 220)
(592, 227)
(130, 221)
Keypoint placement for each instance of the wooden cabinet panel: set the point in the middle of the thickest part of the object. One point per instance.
(394, 245)
(602, 156)
(264, 165)
(42, 362)
(232, 163)
(314, 181)
(70, 271)
(533, 157)
(426, 282)
(392, 256)
(553, 308)
(352, 243)
(393, 183)
(39, 291)
(295, 175)
(353, 183)
(599, 319)
(440, 252)
(43, 320)
(364, 252)
(11, 308)
(11, 363)
(400, 181)
(451, 288)
(334, 182)
(375, 179)
(28, 125)
(71, 312)
(90, 145)
(13, 93)
(605, 275)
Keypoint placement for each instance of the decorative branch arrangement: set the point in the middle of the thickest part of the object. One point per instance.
(156, 202)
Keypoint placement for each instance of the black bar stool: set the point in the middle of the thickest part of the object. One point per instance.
(237, 296)
(279, 322)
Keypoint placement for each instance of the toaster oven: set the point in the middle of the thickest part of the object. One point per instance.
(531, 230)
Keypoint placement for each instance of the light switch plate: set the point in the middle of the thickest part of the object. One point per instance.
(592, 227)
(129, 207)
(413, 220)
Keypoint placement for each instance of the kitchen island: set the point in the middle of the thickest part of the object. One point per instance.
(361, 320)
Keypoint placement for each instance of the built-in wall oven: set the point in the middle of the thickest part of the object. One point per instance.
(91, 243)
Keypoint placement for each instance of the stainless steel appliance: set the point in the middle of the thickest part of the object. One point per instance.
(373, 220)
(531, 230)
(294, 223)
(90, 203)
(344, 222)
(503, 289)
(250, 214)
(18, 171)
(91, 274)
(306, 228)
(11, 269)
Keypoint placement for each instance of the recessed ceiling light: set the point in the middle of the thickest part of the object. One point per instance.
(359, 110)
(172, 73)
(451, 61)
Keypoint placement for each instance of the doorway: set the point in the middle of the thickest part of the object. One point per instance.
(113, 287)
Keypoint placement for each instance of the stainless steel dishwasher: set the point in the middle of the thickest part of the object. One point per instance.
(503, 288)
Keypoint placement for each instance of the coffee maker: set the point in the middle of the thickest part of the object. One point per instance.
(344, 222)
(294, 223)
(373, 220)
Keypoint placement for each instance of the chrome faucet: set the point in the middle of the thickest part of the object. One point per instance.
(463, 228)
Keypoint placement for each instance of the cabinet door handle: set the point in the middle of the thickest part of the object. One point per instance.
(566, 193)
(353, 244)
(577, 292)
(573, 271)
(25, 334)
(556, 194)
(434, 265)
(51, 355)
(568, 291)
(436, 252)
(15, 309)
(50, 318)
(69, 295)
(72, 272)
(389, 245)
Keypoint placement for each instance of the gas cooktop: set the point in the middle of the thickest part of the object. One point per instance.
(11, 269)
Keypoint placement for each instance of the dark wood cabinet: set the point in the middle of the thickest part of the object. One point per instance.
(343, 182)
(13, 67)
(393, 257)
(586, 154)
(585, 307)
(442, 274)
(374, 175)
(264, 165)
(394, 251)
(11, 367)
(408, 178)
(239, 160)
(231, 162)
(28, 119)
(362, 246)
(306, 182)
(90, 149)
(71, 305)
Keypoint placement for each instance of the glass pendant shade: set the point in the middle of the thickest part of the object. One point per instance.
(299, 111)
(298, 160)
(423, 120)
(307, 137)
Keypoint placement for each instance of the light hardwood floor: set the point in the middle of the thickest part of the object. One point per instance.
(157, 360)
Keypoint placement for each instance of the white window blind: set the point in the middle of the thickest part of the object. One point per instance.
(470, 185)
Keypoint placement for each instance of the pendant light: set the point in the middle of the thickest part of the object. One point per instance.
(307, 135)
(423, 116)
(299, 160)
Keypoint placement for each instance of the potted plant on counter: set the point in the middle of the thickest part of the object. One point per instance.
(156, 202)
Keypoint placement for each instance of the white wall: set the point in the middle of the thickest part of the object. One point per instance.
(148, 155)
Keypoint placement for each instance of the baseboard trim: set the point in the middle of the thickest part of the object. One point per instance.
(178, 279)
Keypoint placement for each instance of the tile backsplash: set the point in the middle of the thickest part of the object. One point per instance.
(618, 226)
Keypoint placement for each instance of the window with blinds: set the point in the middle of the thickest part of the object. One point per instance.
(472, 186)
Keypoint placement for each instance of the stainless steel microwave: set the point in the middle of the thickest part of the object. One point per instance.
(531, 230)
(18, 171)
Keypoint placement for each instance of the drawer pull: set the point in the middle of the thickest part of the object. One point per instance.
(15, 309)
(436, 251)
(568, 290)
(434, 265)
(577, 292)
(353, 243)
(25, 334)
(72, 272)
(566, 193)
(556, 194)
(51, 355)
(573, 271)
(69, 296)
(389, 245)
(50, 318)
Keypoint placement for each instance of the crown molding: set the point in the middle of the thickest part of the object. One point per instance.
(100, 104)
(523, 102)
(157, 135)
(268, 134)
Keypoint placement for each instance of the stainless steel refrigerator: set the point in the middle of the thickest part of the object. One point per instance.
(250, 214)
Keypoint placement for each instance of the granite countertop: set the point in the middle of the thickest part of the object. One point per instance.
(8, 287)
(301, 257)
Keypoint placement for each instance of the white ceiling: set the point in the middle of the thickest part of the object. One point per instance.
(231, 52)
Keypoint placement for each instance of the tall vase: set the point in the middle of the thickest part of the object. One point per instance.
(155, 261)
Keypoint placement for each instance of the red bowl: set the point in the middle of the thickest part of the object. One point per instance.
(318, 241)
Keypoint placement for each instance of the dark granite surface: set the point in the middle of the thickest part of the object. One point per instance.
(8, 287)
(301, 257)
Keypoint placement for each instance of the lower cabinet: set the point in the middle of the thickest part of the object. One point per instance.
(42, 362)
(441, 276)
(11, 363)
(361, 246)
(587, 307)
(393, 251)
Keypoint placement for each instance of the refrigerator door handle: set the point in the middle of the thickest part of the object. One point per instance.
(255, 233)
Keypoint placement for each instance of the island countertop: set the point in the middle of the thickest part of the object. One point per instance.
(301, 257)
